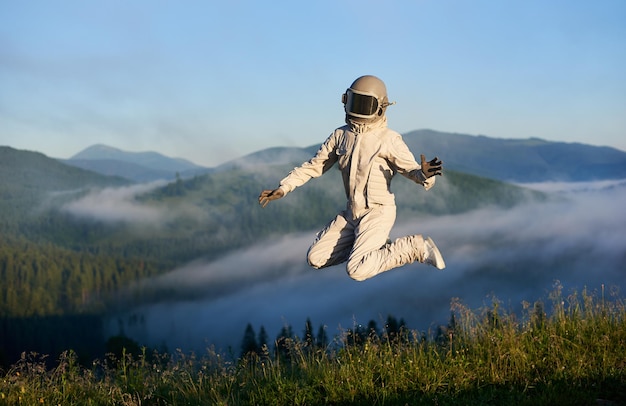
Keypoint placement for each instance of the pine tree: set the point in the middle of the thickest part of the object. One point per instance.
(283, 341)
(249, 344)
(262, 340)
(392, 327)
(309, 338)
(322, 338)
(372, 329)
(395, 329)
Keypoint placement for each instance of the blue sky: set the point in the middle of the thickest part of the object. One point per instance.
(210, 81)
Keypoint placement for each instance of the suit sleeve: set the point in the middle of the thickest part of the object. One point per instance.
(318, 165)
(404, 161)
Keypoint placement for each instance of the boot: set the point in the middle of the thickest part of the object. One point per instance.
(414, 248)
(431, 255)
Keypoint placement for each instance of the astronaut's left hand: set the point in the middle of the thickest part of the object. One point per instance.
(432, 167)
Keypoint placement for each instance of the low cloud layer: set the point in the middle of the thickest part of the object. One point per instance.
(121, 205)
(116, 205)
(514, 254)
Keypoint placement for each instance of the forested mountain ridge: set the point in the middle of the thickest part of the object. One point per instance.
(34, 171)
(149, 159)
(42, 271)
(206, 216)
(128, 170)
(29, 179)
(509, 160)
(520, 160)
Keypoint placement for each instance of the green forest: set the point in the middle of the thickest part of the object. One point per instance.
(55, 265)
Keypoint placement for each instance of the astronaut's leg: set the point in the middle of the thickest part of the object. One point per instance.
(371, 238)
(333, 243)
(371, 257)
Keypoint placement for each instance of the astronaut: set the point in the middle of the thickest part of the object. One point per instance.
(368, 155)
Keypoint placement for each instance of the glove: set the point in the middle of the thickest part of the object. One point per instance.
(432, 167)
(267, 196)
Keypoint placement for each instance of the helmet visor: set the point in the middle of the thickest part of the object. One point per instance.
(361, 105)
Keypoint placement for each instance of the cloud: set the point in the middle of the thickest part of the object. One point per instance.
(515, 254)
(117, 205)
(121, 205)
(572, 187)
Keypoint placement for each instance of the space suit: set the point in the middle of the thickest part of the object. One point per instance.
(368, 155)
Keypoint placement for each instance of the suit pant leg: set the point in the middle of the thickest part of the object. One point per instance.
(333, 243)
(369, 255)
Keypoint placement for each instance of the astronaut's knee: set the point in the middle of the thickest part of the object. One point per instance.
(358, 277)
(357, 270)
(315, 265)
(315, 261)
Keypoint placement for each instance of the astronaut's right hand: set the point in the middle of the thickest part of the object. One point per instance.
(267, 196)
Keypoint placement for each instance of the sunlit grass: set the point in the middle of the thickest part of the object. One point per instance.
(573, 352)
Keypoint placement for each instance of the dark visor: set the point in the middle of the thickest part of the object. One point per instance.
(360, 104)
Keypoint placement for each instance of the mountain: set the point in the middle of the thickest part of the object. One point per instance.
(37, 172)
(509, 160)
(206, 215)
(124, 169)
(66, 261)
(66, 209)
(29, 178)
(271, 156)
(136, 166)
(519, 160)
(152, 160)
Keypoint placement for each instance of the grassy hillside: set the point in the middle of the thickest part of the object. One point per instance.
(571, 356)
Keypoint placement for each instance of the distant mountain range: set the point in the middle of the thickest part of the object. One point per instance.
(510, 160)
(520, 160)
(135, 166)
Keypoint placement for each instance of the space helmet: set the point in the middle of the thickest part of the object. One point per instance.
(366, 99)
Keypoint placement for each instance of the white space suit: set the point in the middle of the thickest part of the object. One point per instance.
(368, 154)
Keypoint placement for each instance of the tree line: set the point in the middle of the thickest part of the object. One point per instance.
(311, 339)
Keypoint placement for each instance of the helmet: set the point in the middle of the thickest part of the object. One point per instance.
(366, 99)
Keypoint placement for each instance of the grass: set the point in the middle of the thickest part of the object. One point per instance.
(575, 355)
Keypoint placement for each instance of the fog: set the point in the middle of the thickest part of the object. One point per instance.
(116, 204)
(518, 254)
(121, 205)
